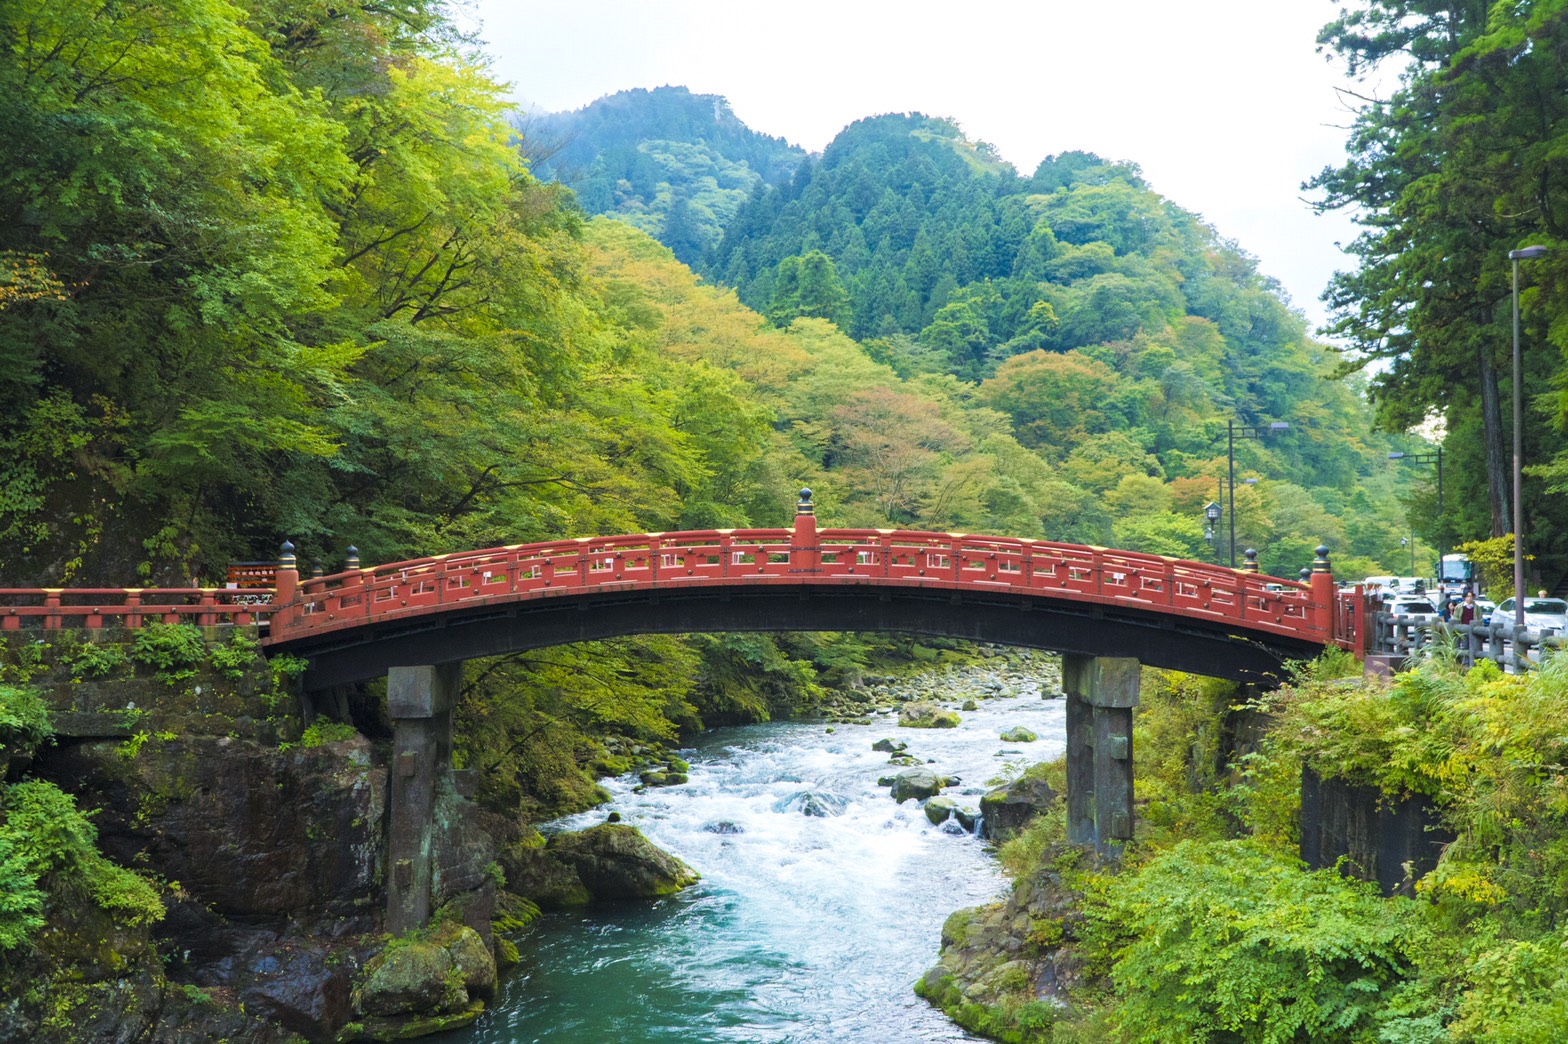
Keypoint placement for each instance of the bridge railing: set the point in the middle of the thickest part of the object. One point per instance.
(1511, 648)
(94, 608)
(774, 556)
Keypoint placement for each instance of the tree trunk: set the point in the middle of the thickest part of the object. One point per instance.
(1497, 462)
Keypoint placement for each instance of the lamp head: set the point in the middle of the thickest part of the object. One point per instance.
(1526, 253)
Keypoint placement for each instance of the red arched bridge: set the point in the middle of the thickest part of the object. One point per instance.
(415, 622)
(354, 625)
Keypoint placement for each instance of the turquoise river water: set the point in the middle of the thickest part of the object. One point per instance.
(804, 928)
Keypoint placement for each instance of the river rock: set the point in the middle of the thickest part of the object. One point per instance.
(1007, 810)
(970, 705)
(614, 861)
(540, 876)
(434, 981)
(939, 809)
(1018, 734)
(917, 783)
(889, 746)
(927, 716)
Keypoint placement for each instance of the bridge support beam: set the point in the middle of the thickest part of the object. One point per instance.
(1101, 694)
(419, 702)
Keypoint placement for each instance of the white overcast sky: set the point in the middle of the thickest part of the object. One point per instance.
(1225, 104)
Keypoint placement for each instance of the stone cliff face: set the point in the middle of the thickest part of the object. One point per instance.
(272, 856)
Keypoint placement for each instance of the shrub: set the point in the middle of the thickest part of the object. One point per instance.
(1227, 941)
(24, 719)
(173, 650)
(95, 659)
(325, 730)
(236, 656)
(44, 836)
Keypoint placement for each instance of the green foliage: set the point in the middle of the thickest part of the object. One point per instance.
(1227, 941)
(52, 846)
(92, 659)
(236, 657)
(1017, 1019)
(24, 719)
(1494, 564)
(323, 731)
(173, 650)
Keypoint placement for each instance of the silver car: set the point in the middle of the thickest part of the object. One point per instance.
(1539, 614)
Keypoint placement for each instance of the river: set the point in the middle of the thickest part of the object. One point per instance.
(804, 928)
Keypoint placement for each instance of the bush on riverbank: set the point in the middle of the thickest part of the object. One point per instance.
(1212, 930)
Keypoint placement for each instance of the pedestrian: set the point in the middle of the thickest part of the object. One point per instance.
(1467, 609)
(1447, 610)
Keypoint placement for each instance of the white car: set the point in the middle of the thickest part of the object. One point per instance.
(1415, 610)
(1539, 614)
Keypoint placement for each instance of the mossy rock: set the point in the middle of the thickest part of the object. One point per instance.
(928, 716)
(940, 809)
(614, 861)
(426, 975)
(1018, 734)
(917, 783)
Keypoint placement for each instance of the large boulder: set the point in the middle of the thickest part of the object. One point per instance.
(1018, 734)
(425, 982)
(1007, 810)
(917, 783)
(927, 716)
(614, 861)
(540, 876)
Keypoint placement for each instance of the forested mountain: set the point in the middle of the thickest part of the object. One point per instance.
(667, 161)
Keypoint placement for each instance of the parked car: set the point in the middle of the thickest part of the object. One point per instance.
(1539, 613)
(1416, 610)
(1485, 607)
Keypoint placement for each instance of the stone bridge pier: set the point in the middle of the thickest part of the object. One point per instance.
(419, 702)
(1101, 694)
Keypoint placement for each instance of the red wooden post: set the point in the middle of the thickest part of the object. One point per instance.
(805, 552)
(52, 601)
(1322, 583)
(286, 583)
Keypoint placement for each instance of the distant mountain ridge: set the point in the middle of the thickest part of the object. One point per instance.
(675, 164)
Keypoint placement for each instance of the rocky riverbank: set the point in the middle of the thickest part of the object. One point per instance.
(264, 845)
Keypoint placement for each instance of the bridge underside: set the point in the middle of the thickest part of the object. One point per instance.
(1154, 639)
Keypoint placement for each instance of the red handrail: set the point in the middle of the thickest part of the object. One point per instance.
(717, 557)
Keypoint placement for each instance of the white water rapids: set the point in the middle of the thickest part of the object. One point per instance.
(804, 928)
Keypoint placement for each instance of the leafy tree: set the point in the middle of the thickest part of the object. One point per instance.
(1451, 171)
(809, 286)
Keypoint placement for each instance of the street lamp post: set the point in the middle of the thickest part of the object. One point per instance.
(1211, 512)
(1242, 431)
(1516, 256)
(1435, 457)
